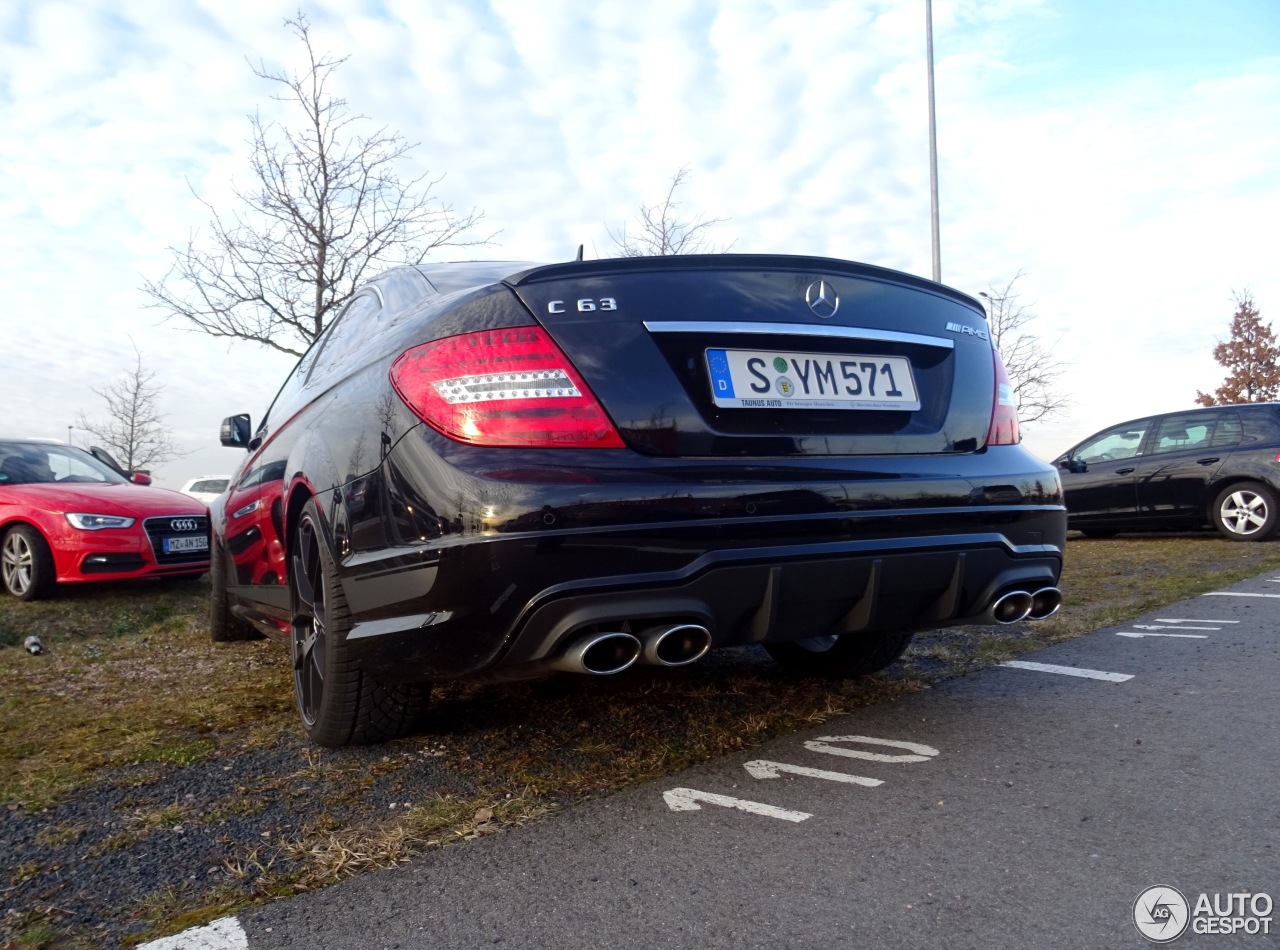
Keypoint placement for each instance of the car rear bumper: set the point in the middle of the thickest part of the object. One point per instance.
(750, 562)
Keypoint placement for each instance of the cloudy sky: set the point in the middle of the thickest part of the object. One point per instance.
(1124, 156)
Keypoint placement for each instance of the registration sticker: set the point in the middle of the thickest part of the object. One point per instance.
(761, 379)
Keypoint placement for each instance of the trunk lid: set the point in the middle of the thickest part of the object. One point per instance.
(753, 355)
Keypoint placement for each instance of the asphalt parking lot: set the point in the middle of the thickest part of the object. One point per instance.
(1027, 805)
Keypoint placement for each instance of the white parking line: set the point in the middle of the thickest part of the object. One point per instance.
(686, 799)
(1192, 620)
(1231, 593)
(224, 934)
(1069, 671)
(1181, 636)
(1176, 626)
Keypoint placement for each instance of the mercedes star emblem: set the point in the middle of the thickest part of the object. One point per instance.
(822, 300)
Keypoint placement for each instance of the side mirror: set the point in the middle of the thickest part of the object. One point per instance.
(235, 432)
(140, 478)
(1075, 466)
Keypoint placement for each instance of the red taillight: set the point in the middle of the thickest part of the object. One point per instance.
(1004, 414)
(508, 387)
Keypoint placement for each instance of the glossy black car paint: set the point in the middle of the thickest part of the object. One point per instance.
(763, 525)
(1155, 485)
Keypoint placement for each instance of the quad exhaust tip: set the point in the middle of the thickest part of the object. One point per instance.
(601, 654)
(1045, 603)
(1018, 605)
(677, 644)
(1012, 607)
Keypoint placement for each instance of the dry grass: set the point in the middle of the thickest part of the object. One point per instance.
(118, 689)
(127, 676)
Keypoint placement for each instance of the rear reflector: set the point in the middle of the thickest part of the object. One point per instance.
(1004, 415)
(509, 387)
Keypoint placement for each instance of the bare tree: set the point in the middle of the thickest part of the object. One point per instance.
(1033, 371)
(326, 210)
(661, 233)
(134, 431)
(1251, 356)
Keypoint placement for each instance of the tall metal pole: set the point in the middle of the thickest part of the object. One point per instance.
(933, 146)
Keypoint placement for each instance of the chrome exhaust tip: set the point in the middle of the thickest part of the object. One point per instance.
(600, 654)
(1011, 607)
(677, 644)
(1045, 603)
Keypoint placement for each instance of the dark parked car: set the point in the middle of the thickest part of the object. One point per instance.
(508, 467)
(1218, 466)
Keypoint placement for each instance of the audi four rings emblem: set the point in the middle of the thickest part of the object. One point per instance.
(184, 524)
(822, 300)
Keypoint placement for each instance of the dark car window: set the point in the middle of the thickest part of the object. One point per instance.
(353, 326)
(1122, 442)
(28, 464)
(1229, 430)
(286, 401)
(1184, 432)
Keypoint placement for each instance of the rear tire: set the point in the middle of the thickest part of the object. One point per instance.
(26, 564)
(1246, 511)
(338, 702)
(1099, 532)
(847, 654)
(224, 626)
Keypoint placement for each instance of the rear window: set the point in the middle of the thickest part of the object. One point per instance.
(214, 485)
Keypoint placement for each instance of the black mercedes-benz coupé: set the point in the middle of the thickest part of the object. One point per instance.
(581, 466)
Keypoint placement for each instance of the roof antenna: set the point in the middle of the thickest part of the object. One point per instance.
(579, 252)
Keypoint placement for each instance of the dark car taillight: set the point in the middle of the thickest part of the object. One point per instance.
(511, 387)
(1004, 414)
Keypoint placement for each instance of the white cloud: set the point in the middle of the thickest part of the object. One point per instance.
(1135, 206)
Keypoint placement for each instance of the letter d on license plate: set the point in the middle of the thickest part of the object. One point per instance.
(760, 379)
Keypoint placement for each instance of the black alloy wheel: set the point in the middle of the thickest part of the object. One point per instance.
(846, 654)
(339, 703)
(26, 564)
(1245, 511)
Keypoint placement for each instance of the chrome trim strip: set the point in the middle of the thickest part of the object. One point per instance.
(797, 329)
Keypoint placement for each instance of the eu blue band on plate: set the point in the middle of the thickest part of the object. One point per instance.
(721, 381)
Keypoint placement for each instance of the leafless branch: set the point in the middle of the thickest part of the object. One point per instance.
(662, 233)
(325, 211)
(1032, 368)
(134, 430)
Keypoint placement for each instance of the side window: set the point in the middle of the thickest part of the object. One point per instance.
(1229, 431)
(1184, 432)
(354, 325)
(1122, 442)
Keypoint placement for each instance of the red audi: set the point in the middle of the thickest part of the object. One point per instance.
(67, 517)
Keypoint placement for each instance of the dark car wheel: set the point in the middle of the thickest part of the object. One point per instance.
(850, 654)
(224, 626)
(26, 564)
(339, 703)
(1245, 512)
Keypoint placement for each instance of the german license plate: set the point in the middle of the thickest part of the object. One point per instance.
(179, 545)
(766, 379)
